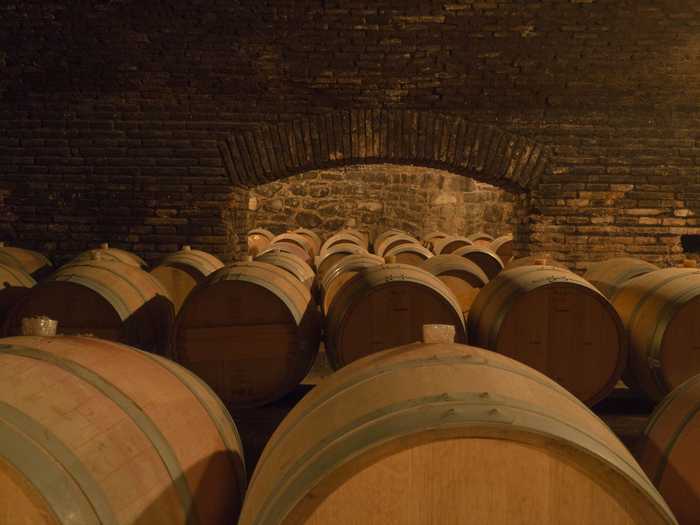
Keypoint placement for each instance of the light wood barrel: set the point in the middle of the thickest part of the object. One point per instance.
(340, 238)
(29, 261)
(300, 240)
(544, 259)
(14, 285)
(106, 253)
(433, 236)
(449, 244)
(668, 450)
(464, 278)
(392, 241)
(660, 311)
(335, 253)
(289, 247)
(107, 299)
(387, 233)
(385, 306)
(503, 246)
(555, 321)
(445, 433)
(312, 237)
(251, 331)
(361, 236)
(258, 239)
(610, 274)
(481, 238)
(95, 432)
(341, 272)
(409, 253)
(483, 257)
(290, 263)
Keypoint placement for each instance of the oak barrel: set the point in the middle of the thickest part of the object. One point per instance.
(449, 244)
(503, 246)
(544, 259)
(464, 278)
(391, 241)
(408, 253)
(446, 434)
(290, 263)
(483, 257)
(335, 253)
(341, 238)
(291, 248)
(95, 432)
(480, 238)
(387, 233)
(14, 285)
(660, 311)
(555, 321)
(610, 274)
(668, 450)
(181, 271)
(106, 253)
(433, 236)
(29, 261)
(258, 239)
(312, 237)
(300, 240)
(385, 306)
(251, 330)
(107, 299)
(341, 272)
(361, 236)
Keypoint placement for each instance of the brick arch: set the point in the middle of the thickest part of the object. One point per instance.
(361, 136)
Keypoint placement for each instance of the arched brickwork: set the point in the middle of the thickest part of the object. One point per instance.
(419, 138)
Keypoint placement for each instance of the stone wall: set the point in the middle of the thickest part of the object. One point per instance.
(376, 197)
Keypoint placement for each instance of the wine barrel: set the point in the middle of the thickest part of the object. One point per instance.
(660, 311)
(503, 246)
(446, 433)
(14, 285)
(481, 239)
(29, 261)
(386, 306)
(335, 253)
(340, 238)
(341, 272)
(250, 330)
(387, 233)
(462, 277)
(391, 241)
(258, 239)
(483, 257)
(95, 432)
(449, 244)
(361, 236)
(433, 236)
(556, 322)
(312, 237)
(106, 253)
(290, 263)
(409, 253)
(610, 274)
(181, 271)
(544, 259)
(668, 448)
(107, 299)
(300, 240)
(291, 248)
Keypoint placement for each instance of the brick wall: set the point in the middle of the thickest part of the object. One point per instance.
(111, 110)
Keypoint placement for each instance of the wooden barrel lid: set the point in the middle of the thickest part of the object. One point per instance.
(610, 274)
(335, 253)
(391, 241)
(545, 259)
(668, 450)
(251, 331)
(463, 277)
(503, 246)
(313, 237)
(290, 263)
(484, 258)
(556, 322)
(383, 306)
(107, 299)
(29, 261)
(660, 310)
(341, 272)
(258, 239)
(464, 432)
(97, 432)
(409, 253)
(107, 253)
(481, 238)
(340, 238)
(449, 244)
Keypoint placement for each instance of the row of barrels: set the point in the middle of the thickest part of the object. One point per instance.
(432, 432)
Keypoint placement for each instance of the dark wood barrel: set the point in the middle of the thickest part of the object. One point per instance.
(610, 274)
(668, 450)
(464, 278)
(481, 238)
(340, 238)
(14, 285)
(503, 246)
(483, 257)
(449, 244)
(106, 253)
(385, 306)
(408, 253)
(387, 233)
(251, 331)
(335, 253)
(446, 433)
(258, 239)
(392, 241)
(29, 261)
(95, 432)
(341, 272)
(556, 322)
(660, 311)
(107, 299)
(290, 263)
(312, 237)
(181, 271)
(543, 259)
